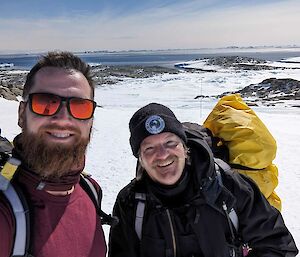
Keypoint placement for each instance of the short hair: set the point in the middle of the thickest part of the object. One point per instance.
(65, 60)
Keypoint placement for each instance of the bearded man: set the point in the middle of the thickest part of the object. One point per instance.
(56, 117)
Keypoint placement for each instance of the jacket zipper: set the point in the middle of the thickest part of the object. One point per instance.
(172, 231)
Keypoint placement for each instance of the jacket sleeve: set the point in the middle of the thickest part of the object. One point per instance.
(260, 224)
(123, 241)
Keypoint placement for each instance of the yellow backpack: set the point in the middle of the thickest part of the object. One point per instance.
(251, 146)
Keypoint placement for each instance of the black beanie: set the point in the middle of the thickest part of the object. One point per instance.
(150, 120)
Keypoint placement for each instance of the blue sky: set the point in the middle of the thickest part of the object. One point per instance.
(76, 25)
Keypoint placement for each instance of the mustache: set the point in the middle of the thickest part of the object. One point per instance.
(169, 159)
(63, 128)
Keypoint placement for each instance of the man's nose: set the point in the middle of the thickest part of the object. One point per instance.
(161, 152)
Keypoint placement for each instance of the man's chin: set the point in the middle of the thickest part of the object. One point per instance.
(53, 158)
(64, 144)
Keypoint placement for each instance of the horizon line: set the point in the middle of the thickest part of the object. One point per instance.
(233, 47)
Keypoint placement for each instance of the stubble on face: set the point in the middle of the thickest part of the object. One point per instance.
(52, 160)
(166, 169)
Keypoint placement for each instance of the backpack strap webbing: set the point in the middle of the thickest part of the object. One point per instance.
(139, 215)
(226, 168)
(90, 189)
(22, 220)
(18, 206)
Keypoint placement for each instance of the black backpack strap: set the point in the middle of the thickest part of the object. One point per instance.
(90, 189)
(223, 165)
(230, 214)
(139, 215)
(96, 198)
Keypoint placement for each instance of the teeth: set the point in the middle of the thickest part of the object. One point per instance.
(60, 135)
(165, 164)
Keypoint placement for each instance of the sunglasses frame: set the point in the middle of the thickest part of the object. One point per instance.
(62, 99)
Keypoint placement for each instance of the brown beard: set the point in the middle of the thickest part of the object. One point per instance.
(52, 161)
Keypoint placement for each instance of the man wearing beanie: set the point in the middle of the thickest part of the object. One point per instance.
(182, 203)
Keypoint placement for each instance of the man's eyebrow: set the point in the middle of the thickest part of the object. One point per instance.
(147, 144)
(172, 136)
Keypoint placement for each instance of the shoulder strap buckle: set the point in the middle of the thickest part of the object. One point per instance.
(8, 171)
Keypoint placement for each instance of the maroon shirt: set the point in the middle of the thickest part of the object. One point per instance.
(62, 226)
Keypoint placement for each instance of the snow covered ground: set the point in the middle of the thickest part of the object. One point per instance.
(109, 156)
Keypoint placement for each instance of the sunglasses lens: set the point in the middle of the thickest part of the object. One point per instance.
(45, 104)
(81, 108)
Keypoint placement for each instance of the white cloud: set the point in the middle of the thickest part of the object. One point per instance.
(189, 26)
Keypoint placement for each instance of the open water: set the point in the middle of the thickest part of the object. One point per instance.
(162, 58)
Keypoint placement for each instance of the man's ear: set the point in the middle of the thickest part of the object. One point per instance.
(21, 112)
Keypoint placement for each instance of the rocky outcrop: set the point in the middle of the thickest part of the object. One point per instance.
(273, 89)
(269, 92)
(239, 62)
(104, 74)
(11, 82)
(228, 62)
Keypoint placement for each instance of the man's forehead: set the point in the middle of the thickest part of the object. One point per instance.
(159, 137)
(59, 70)
(67, 82)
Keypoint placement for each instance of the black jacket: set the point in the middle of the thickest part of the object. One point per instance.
(193, 222)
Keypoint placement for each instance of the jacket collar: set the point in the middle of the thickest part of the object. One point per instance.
(211, 186)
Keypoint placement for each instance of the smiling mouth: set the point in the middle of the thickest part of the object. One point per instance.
(60, 135)
(165, 164)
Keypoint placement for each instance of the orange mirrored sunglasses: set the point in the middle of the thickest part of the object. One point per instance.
(46, 104)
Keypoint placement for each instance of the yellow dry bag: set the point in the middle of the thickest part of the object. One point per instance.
(251, 146)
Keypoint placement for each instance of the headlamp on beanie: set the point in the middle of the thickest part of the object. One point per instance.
(153, 119)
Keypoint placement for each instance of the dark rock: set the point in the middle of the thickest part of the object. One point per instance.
(251, 103)
(113, 74)
(231, 62)
(201, 96)
(269, 92)
(11, 84)
(7, 94)
(273, 89)
(239, 62)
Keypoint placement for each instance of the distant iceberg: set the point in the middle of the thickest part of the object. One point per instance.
(6, 65)
(291, 60)
(94, 64)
